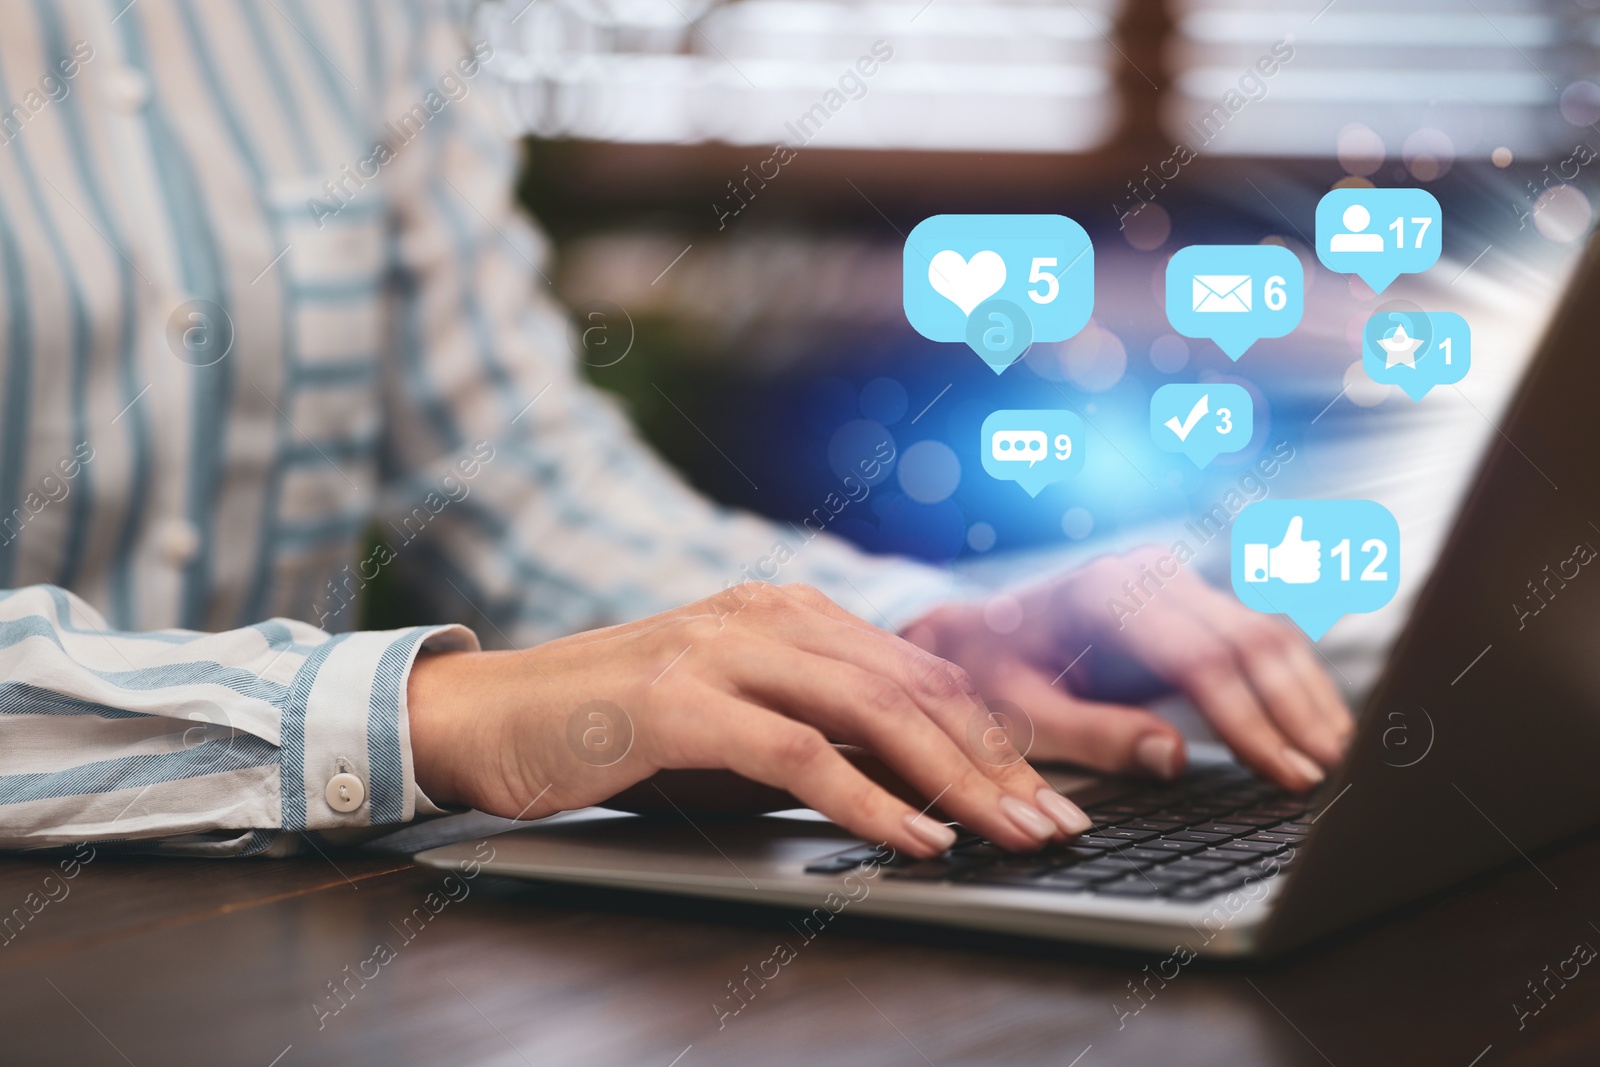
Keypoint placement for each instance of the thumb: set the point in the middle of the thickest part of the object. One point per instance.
(1292, 534)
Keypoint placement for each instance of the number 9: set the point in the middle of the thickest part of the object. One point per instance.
(1063, 446)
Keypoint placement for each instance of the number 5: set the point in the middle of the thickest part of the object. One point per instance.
(1052, 286)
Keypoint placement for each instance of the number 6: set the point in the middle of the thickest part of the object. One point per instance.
(1273, 292)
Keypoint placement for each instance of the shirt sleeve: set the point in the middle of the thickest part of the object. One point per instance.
(209, 744)
(520, 496)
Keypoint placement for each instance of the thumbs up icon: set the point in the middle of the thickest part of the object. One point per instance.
(1293, 560)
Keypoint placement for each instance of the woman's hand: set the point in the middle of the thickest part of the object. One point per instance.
(1254, 677)
(760, 680)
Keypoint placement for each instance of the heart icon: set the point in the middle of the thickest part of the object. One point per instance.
(967, 283)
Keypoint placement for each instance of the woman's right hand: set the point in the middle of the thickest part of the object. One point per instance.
(759, 680)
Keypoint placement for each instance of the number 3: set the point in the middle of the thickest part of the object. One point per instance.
(1052, 286)
(1226, 425)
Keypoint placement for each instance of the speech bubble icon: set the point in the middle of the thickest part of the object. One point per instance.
(1315, 560)
(1416, 350)
(1201, 421)
(1379, 234)
(1000, 332)
(1235, 294)
(1013, 446)
(1037, 270)
(1032, 448)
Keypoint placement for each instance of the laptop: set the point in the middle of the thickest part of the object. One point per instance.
(1474, 748)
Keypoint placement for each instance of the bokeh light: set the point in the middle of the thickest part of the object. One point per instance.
(929, 472)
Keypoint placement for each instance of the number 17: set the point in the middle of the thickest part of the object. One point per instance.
(1399, 227)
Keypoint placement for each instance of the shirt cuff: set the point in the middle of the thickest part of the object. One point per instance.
(346, 744)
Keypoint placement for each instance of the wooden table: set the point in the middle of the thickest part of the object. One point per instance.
(148, 962)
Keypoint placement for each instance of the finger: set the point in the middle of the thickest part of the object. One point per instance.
(944, 692)
(706, 727)
(866, 709)
(940, 687)
(1112, 738)
(1330, 702)
(1278, 666)
(1189, 656)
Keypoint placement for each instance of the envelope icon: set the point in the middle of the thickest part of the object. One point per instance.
(1221, 292)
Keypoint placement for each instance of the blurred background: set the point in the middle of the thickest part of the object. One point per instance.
(744, 300)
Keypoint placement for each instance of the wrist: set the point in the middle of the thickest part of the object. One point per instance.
(439, 708)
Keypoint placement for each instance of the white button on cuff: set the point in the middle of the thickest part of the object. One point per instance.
(345, 792)
(179, 542)
(128, 89)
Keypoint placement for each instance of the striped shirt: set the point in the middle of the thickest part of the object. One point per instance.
(262, 291)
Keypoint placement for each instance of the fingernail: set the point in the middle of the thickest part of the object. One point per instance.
(1302, 765)
(931, 832)
(1067, 815)
(1158, 754)
(1028, 818)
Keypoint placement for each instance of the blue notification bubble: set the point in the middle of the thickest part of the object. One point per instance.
(1316, 560)
(1416, 350)
(1000, 332)
(1235, 294)
(1201, 421)
(1032, 448)
(1379, 234)
(1042, 264)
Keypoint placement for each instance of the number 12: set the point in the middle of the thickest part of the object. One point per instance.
(1370, 573)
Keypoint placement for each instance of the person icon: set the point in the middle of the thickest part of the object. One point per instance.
(1356, 219)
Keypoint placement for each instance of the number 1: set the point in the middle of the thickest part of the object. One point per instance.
(1444, 346)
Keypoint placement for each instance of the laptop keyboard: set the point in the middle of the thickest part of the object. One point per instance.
(1203, 836)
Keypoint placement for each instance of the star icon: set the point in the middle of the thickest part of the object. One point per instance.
(1400, 347)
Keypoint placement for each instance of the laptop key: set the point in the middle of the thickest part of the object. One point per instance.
(1160, 826)
(1198, 836)
(1198, 867)
(1222, 883)
(1006, 876)
(1081, 877)
(1186, 816)
(1167, 844)
(1194, 892)
(835, 865)
(1293, 828)
(1282, 811)
(1069, 856)
(1099, 843)
(1118, 834)
(1226, 829)
(1113, 812)
(1143, 855)
(1277, 838)
(934, 870)
(847, 860)
(1245, 818)
(1263, 847)
(1099, 870)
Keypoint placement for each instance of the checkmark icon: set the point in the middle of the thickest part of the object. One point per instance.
(1182, 429)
